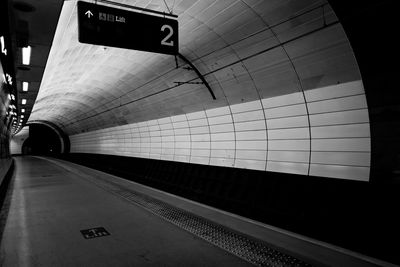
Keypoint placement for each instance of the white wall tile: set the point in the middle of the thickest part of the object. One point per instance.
(200, 137)
(223, 136)
(200, 130)
(220, 120)
(164, 120)
(167, 132)
(196, 115)
(181, 145)
(250, 125)
(341, 117)
(303, 145)
(154, 133)
(199, 160)
(251, 135)
(167, 151)
(223, 153)
(201, 152)
(251, 145)
(155, 139)
(342, 144)
(167, 157)
(295, 133)
(154, 156)
(182, 138)
(333, 91)
(218, 112)
(339, 104)
(166, 126)
(169, 138)
(201, 145)
(223, 145)
(250, 164)
(198, 122)
(168, 144)
(284, 100)
(221, 128)
(248, 106)
(222, 162)
(249, 116)
(341, 158)
(290, 122)
(291, 156)
(251, 154)
(351, 130)
(181, 124)
(182, 131)
(181, 158)
(149, 123)
(287, 167)
(211, 137)
(182, 151)
(178, 118)
(337, 171)
(287, 111)
(154, 145)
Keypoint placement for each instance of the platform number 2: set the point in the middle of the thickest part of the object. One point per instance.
(167, 39)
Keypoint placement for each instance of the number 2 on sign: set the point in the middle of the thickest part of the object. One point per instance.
(166, 40)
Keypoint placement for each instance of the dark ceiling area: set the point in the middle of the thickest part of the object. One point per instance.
(370, 27)
(33, 24)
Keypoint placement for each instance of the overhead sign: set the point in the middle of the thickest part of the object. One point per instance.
(103, 25)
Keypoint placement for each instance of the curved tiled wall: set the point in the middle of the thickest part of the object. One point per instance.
(18, 140)
(321, 132)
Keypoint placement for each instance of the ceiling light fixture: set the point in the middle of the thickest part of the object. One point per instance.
(23, 102)
(26, 55)
(25, 86)
(22, 110)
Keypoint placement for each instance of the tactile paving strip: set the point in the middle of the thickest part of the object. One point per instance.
(251, 250)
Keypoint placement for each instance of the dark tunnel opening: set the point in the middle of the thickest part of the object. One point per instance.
(42, 140)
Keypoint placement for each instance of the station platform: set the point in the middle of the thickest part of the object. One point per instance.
(57, 213)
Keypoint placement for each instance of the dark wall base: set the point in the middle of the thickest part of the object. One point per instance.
(5, 196)
(356, 215)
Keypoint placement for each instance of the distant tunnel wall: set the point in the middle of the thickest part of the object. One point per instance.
(17, 141)
(321, 132)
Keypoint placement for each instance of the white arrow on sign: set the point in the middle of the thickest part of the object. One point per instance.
(89, 13)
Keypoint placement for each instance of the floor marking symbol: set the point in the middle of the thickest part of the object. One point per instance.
(94, 232)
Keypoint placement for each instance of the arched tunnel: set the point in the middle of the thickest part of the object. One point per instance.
(218, 133)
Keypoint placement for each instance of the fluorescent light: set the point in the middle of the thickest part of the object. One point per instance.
(23, 101)
(26, 55)
(22, 116)
(22, 110)
(25, 86)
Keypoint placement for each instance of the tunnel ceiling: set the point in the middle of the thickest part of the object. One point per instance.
(246, 50)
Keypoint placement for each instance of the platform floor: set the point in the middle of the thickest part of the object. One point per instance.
(49, 202)
(50, 205)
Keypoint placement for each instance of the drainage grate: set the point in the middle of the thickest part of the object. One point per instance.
(251, 250)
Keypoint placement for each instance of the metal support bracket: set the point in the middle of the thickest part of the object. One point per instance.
(198, 74)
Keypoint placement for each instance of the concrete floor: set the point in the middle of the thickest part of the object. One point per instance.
(50, 205)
